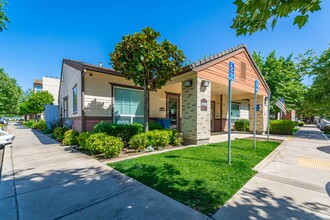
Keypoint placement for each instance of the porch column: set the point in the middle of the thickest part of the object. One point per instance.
(261, 114)
(196, 119)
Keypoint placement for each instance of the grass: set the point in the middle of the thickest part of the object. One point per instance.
(200, 176)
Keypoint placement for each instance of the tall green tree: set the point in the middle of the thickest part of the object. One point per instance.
(149, 63)
(283, 79)
(23, 109)
(3, 17)
(35, 104)
(254, 15)
(10, 94)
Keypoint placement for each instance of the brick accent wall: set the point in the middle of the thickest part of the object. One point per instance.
(261, 114)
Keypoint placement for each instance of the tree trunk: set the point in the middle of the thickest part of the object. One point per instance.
(146, 106)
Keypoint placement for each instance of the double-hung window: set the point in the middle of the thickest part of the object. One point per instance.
(128, 105)
(235, 110)
(74, 99)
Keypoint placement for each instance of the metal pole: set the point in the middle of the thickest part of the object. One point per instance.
(255, 119)
(229, 121)
(268, 116)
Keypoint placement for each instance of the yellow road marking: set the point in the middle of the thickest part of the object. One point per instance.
(312, 163)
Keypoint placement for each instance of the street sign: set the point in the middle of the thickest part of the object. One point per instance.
(231, 71)
(257, 108)
(256, 85)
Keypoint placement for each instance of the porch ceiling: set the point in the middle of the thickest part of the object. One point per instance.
(222, 89)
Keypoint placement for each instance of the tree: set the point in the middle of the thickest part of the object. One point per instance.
(283, 79)
(36, 103)
(253, 15)
(23, 102)
(10, 94)
(149, 63)
(3, 17)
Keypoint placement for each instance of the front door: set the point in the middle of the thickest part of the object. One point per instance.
(212, 115)
(172, 110)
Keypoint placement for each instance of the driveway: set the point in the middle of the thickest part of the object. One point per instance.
(43, 180)
(294, 185)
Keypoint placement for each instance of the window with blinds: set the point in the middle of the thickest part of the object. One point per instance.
(128, 105)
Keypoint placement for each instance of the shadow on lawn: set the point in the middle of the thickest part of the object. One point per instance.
(166, 179)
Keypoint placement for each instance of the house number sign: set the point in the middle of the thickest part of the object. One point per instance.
(203, 105)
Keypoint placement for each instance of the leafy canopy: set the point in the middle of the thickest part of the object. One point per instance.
(3, 17)
(10, 94)
(253, 15)
(141, 58)
(36, 103)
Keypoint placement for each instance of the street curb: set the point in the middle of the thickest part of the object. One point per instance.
(272, 156)
(326, 137)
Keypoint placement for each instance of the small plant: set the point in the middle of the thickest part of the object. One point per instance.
(29, 123)
(48, 131)
(155, 126)
(326, 129)
(40, 125)
(301, 124)
(2, 126)
(82, 139)
(102, 143)
(159, 138)
(70, 137)
(242, 125)
(139, 142)
(55, 124)
(59, 133)
(176, 138)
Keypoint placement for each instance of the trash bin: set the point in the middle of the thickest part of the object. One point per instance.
(164, 122)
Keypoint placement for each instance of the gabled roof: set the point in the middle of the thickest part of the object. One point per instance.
(81, 66)
(207, 60)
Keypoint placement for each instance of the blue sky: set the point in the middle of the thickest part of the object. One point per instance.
(42, 33)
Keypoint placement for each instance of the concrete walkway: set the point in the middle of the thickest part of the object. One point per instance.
(294, 185)
(43, 180)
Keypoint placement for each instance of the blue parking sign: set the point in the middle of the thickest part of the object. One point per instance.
(256, 85)
(231, 71)
(257, 108)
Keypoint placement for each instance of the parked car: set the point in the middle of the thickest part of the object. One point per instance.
(3, 121)
(323, 123)
(5, 138)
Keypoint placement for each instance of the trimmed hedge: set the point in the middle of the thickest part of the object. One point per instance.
(59, 133)
(301, 124)
(242, 125)
(40, 125)
(82, 138)
(124, 131)
(139, 142)
(104, 143)
(154, 126)
(70, 137)
(282, 127)
(48, 131)
(29, 123)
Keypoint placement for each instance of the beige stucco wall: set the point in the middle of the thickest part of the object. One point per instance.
(52, 85)
(70, 78)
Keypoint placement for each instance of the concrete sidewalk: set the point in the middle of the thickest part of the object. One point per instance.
(294, 185)
(43, 180)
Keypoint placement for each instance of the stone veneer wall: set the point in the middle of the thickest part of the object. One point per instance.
(261, 114)
(195, 122)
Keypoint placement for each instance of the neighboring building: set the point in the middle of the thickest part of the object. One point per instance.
(195, 100)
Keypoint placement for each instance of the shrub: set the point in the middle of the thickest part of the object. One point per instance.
(124, 131)
(301, 124)
(55, 124)
(29, 123)
(103, 143)
(2, 126)
(139, 142)
(326, 129)
(242, 125)
(40, 125)
(70, 137)
(282, 127)
(154, 126)
(48, 131)
(176, 138)
(59, 133)
(159, 138)
(82, 138)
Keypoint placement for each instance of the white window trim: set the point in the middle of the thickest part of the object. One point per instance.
(239, 109)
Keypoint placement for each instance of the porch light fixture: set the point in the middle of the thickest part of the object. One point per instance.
(187, 83)
(205, 83)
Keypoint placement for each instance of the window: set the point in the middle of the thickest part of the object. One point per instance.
(75, 100)
(235, 110)
(38, 88)
(243, 70)
(128, 105)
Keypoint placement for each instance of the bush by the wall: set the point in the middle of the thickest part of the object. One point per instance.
(40, 125)
(282, 127)
(124, 131)
(326, 129)
(139, 142)
(159, 138)
(48, 131)
(242, 125)
(103, 143)
(301, 124)
(29, 123)
(176, 138)
(59, 133)
(70, 137)
(154, 126)
(82, 138)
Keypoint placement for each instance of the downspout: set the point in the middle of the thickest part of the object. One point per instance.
(83, 125)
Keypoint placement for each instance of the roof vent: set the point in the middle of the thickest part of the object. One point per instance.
(100, 64)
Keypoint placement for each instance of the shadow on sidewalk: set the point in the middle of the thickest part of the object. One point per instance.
(44, 139)
(263, 204)
(309, 134)
(325, 149)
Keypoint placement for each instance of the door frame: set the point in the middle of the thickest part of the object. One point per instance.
(176, 96)
(212, 119)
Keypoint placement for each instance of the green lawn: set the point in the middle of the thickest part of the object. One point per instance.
(200, 176)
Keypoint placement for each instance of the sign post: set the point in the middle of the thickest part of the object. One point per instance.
(268, 116)
(256, 89)
(231, 77)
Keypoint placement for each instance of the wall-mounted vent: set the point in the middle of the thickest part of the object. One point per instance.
(243, 70)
